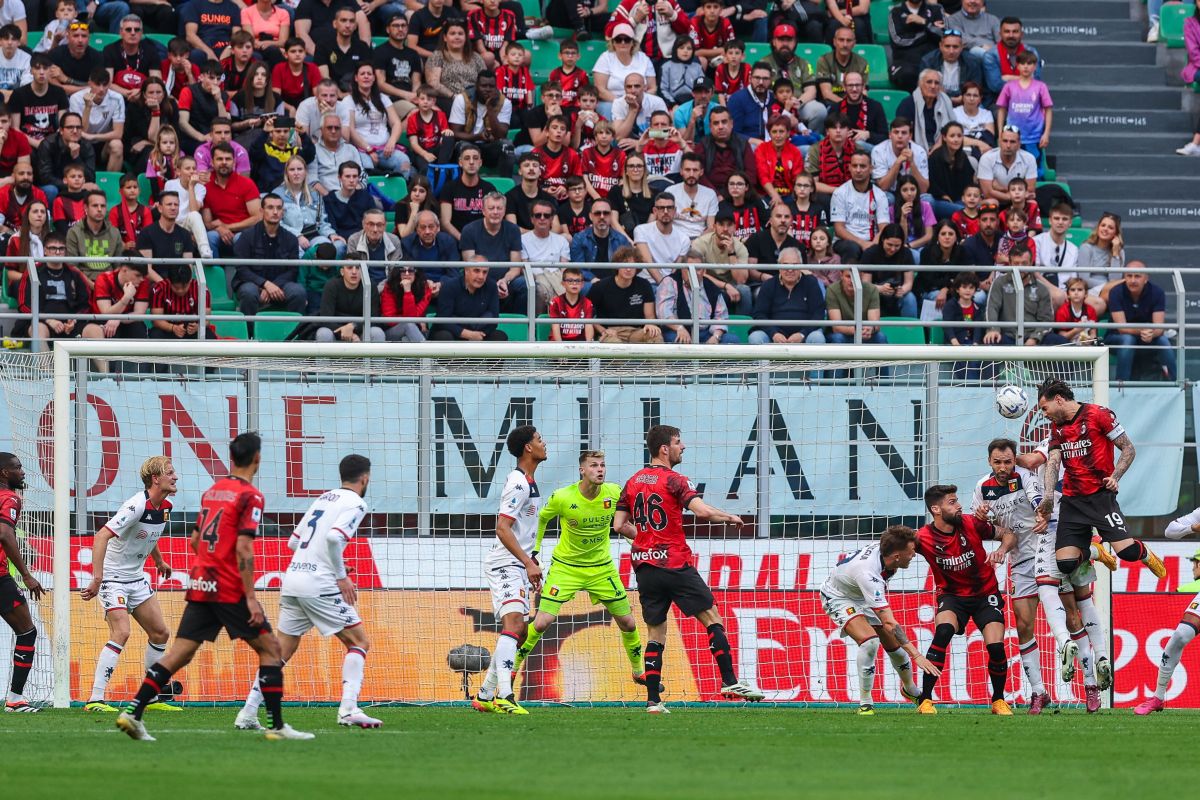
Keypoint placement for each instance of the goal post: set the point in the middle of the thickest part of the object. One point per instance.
(758, 421)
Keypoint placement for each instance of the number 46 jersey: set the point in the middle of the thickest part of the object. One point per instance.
(318, 541)
(655, 498)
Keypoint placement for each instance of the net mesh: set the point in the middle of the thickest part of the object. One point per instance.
(818, 457)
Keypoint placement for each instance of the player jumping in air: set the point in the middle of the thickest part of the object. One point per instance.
(1067, 599)
(511, 570)
(221, 592)
(581, 561)
(119, 554)
(14, 609)
(855, 598)
(655, 499)
(1185, 631)
(317, 592)
(965, 579)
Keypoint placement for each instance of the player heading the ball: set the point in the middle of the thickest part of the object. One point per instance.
(14, 608)
(221, 592)
(317, 591)
(855, 598)
(119, 552)
(655, 499)
(511, 570)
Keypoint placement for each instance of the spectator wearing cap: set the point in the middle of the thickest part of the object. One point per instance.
(1000, 63)
(721, 246)
(675, 298)
(1133, 302)
(981, 247)
(621, 60)
(1002, 304)
(953, 65)
(930, 110)
(858, 210)
(867, 120)
(660, 24)
(791, 294)
(833, 67)
(981, 30)
(914, 27)
(691, 117)
(723, 151)
(784, 63)
(1003, 163)
(277, 144)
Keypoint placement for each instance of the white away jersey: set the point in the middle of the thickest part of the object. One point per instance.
(1013, 505)
(520, 502)
(318, 541)
(136, 528)
(860, 577)
(1181, 527)
(1044, 448)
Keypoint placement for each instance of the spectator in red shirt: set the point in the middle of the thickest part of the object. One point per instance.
(569, 76)
(779, 162)
(1077, 310)
(178, 295)
(558, 160)
(71, 203)
(663, 22)
(16, 196)
(430, 140)
(178, 70)
(572, 305)
(121, 290)
(14, 146)
(406, 294)
(710, 31)
(294, 79)
(490, 26)
(129, 216)
(231, 204)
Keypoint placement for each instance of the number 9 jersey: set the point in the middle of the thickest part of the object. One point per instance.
(655, 499)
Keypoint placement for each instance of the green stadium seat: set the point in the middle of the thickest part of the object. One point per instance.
(1078, 236)
(110, 184)
(275, 331)
(543, 58)
(741, 331)
(144, 189)
(503, 185)
(903, 334)
(32, 40)
(590, 52)
(532, 8)
(890, 100)
(98, 41)
(877, 64)
(162, 38)
(756, 51)
(1171, 24)
(516, 328)
(379, 41)
(543, 331)
(230, 324)
(937, 335)
(880, 11)
(217, 279)
(393, 187)
(811, 52)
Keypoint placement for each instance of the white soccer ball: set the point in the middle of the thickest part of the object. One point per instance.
(1012, 402)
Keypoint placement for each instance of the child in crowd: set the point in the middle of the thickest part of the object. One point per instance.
(680, 73)
(1014, 231)
(428, 131)
(178, 295)
(1018, 191)
(569, 76)
(1026, 104)
(178, 71)
(820, 252)
(71, 203)
(55, 32)
(1077, 310)
(587, 117)
(191, 191)
(963, 308)
(733, 73)
(514, 81)
(129, 216)
(572, 305)
(967, 219)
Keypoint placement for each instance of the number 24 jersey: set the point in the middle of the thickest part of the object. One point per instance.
(232, 507)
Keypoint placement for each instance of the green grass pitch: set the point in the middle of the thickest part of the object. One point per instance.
(614, 754)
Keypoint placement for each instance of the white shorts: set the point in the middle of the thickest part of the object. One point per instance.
(1023, 579)
(1046, 565)
(842, 609)
(511, 590)
(329, 613)
(126, 595)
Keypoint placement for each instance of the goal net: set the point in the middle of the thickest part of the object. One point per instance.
(819, 448)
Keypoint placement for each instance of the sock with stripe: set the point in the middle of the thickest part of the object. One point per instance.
(1087, 660)
(154, 653)
(106, 664)
(654, 662)
(1031, 663)
(152, 685)
(504, 660)
(1056, 613)
(718, 645)
(632, 642)
(937, 656)
(1183, 634)
(23, 660)
(867, 653)
(997, 669)
(1091, 624)
(254, 698)
(353, 666)
(270, 682)
(903, 666)
(532, 637)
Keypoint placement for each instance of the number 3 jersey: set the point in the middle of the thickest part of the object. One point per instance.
(655, 498)
(232, 507)
(318, 541)
(136, 529)
(519, 503)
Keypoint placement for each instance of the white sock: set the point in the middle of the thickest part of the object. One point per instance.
(1183, 634)
(254, 700)
(1031, 663)
(487, 689)
(867, 651)
(352, 677)
(110, 654)
(1087, 659)
(1091, 624)
(504, 659)
(1056, 614)
(154, 653)
(903, 666)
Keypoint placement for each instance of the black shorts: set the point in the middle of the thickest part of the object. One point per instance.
(658, 588)
(10, 595)
(982, 608)
(1079, 514)
(201, 622)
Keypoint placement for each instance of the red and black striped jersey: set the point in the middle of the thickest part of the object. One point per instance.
(164, 297)
(726, 84)
(10, 513)
(957, 559)
(749, 219)
(492, 31)
(655, 499)
(1086, 443)
(603, 170)
(231, 508)
(704, 39)
(570, 82)
(516, 85)
(557, 167)
(428, 133)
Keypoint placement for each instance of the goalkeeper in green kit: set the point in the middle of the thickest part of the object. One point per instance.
(581, 561)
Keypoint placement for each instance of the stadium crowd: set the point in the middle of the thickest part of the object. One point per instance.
(739, 135)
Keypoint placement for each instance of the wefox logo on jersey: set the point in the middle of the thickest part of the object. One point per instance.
(649, 555)
(202, 585)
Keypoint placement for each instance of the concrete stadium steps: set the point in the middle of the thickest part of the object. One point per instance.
(1152, 97)
(1137, 189)
(1085, 53)
(1120, 122)
(1129, 164)
(1099, 142)
(1058, 75)
(1034, 11)
(1171, 235)
(1082, 29)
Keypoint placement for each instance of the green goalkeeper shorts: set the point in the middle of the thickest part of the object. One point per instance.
(603, 585)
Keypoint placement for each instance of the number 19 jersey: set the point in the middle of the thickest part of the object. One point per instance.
(655, 498)
(318, 541)
(232, 507)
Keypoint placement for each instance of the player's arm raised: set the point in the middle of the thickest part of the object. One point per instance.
(99, 549)
(896, 630)
(1124, 462)
(504, 533)
(1049, 478)
(713, 514)
(12, 549)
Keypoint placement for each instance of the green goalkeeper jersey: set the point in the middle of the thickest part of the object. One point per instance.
(584, 525)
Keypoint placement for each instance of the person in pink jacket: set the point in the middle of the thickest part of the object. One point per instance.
(1191, 38)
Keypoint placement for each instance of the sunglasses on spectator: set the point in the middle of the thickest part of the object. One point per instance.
(1117, 217)
(78, 26)
(541, 215)
(599, 213)
(952, 32)
(131, 30)
(623, 40)
(1010, 129)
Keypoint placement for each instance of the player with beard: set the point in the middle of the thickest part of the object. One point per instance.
(14, 608)
(965, 579)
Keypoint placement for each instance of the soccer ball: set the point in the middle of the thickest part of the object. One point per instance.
(1012, 402)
